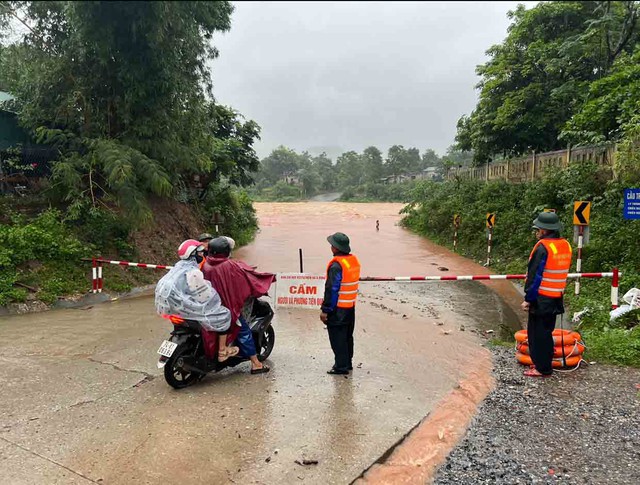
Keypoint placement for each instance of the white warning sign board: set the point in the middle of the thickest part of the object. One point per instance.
(299, 290)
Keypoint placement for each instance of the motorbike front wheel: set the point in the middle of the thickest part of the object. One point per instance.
(174, 373)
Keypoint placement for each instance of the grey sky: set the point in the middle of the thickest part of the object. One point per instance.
(343, 76)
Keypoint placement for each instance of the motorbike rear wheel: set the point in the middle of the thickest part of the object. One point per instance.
(175, 375)
(266, 342)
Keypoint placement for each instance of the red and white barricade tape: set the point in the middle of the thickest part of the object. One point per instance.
(97, 281)
(476, 277)
(615, 275)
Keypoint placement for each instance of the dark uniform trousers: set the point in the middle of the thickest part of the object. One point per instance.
(340, 325)
(540, 335)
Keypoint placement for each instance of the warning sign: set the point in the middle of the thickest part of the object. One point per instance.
(581, 213)
(300, 290)
(491, 220)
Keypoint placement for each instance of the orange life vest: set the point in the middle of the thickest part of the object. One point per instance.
(350, 280)
(554, 275)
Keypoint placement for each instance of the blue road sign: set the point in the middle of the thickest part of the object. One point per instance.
(632, 203)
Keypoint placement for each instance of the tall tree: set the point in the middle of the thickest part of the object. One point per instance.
(281, 162)
(350, 168)
(327, 171)
(430, 159)
(611, 105)
(373, 164)
(401, 160)
(539, 76)
(123, 90)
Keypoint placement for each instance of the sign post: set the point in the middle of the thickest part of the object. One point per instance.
(581, 215)
(456, 224)
(491, 222)
(615, 281)
(218, 220)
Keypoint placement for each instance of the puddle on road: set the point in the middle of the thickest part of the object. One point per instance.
(484, 307)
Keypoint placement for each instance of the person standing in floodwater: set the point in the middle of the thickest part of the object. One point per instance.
(377, 225)
(338, 310)
(544, 287)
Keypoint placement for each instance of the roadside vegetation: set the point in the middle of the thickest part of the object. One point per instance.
(568, 72)
(120, 97)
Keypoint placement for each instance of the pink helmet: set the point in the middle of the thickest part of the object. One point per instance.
(187, 248)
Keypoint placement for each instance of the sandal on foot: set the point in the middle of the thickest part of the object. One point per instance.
(535, 373)
(230, 352)
(262, 370)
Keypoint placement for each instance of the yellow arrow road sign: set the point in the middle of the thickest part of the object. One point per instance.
(581, 212)
(491, 220)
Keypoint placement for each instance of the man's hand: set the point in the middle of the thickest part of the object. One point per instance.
(323, 317)
(525, 306)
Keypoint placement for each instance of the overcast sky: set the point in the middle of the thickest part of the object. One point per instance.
(346, 75)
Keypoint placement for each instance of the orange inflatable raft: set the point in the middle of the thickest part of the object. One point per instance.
(556, 363)
(567, 351)
(558, 352)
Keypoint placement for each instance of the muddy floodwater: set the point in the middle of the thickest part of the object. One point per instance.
(389, 251)
(83, 401)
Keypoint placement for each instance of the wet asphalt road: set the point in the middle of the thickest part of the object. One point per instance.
(83, 401)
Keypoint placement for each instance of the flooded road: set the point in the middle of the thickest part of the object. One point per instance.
(83, 401)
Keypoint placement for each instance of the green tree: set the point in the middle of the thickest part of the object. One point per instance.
(123, 90)
(350, 168)
(414, 162)
(539, 76)
(401, 160)
(281, 162)
(326, 170)
(373, 164)
(429, 159)
(611, 104)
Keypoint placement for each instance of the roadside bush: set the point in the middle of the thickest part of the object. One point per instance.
(41, 253)
(613, 241)
(234, 205)
(373, 192)
(280, 192)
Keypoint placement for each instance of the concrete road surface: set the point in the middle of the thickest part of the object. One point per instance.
(83, 402)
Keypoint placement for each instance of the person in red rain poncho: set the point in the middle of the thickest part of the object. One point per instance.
(236, 281)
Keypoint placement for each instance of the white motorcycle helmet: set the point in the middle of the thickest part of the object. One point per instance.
(188, 248)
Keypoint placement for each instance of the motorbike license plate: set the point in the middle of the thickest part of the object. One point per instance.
(167, 348)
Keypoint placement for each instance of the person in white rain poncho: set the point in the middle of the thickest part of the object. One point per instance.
(183, 291)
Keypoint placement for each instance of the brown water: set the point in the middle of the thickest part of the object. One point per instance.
(391, 251)
(84, 401)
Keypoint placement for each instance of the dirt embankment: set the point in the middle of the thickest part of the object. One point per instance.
(155, 243)
(173, 223)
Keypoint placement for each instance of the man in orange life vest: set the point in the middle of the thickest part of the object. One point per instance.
(546, 281)
(339, 304)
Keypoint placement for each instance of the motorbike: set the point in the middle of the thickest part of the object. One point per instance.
(183, 357)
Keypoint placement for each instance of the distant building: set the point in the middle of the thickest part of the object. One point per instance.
(293, 178)
(429, 173)
(29, 161)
